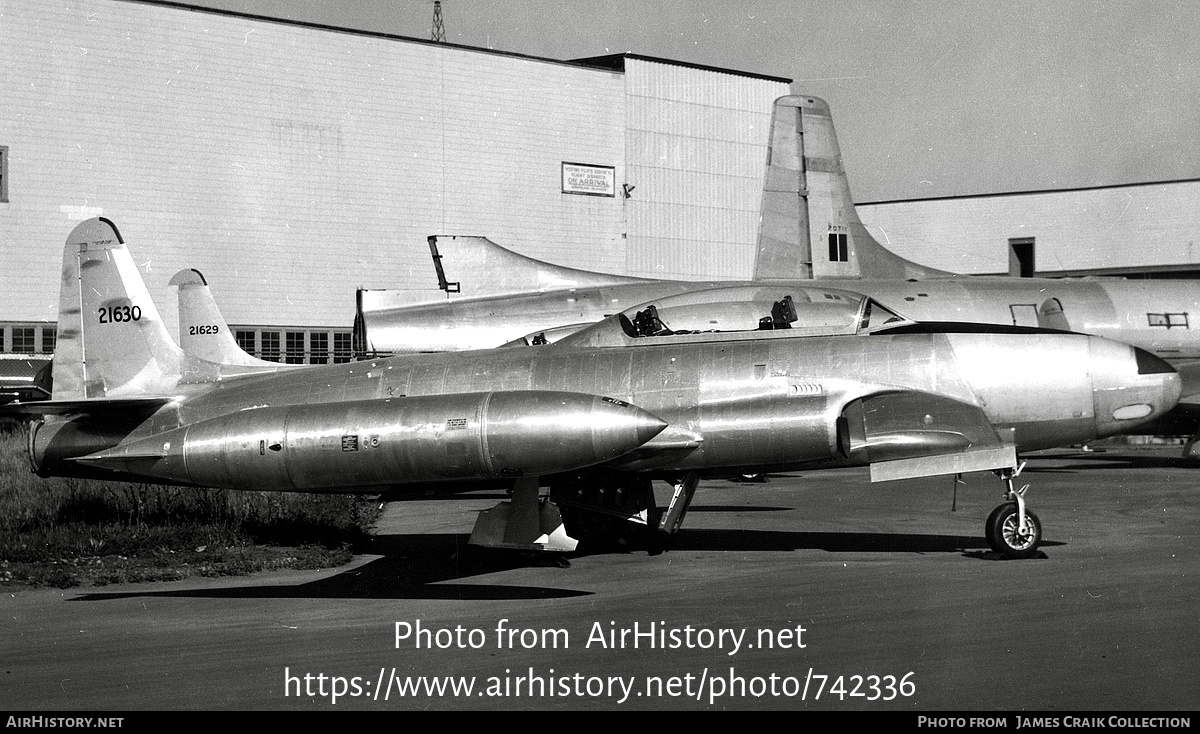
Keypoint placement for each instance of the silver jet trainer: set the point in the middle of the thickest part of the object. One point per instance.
(772, 377)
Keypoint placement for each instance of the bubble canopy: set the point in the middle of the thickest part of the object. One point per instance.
(741, 312)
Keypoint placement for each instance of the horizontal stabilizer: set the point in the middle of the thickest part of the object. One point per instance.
(987, 459)
(118, 459)
(93, 406)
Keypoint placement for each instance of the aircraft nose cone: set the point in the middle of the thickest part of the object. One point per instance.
(1131, 386)
(1172, 387)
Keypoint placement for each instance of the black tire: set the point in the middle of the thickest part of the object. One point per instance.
(1003, 537)
(988, 524)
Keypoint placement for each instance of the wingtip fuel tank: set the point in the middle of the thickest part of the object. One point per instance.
(365, 444)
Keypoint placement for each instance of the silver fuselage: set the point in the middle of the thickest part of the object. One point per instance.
(1160, 316)
(728, 401)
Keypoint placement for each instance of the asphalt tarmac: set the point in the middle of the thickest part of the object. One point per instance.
(812, 591)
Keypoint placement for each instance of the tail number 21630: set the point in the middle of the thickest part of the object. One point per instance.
(119, 314)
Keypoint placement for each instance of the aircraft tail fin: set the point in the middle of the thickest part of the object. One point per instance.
(203, 331)
(481, 268)
(484, 268)
(508, 272)
(111, 340)
(809, 227)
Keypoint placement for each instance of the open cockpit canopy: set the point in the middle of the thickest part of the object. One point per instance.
(741, 312)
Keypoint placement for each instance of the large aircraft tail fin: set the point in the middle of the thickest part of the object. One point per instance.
(809, 227)
(203, 331)
(111, 340)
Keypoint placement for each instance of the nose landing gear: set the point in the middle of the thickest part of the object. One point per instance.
(1011, 529)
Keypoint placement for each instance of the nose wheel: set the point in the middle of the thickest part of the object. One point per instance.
(1011, 529)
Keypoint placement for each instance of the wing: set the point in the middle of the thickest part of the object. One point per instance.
(139, 406)
(906, 434)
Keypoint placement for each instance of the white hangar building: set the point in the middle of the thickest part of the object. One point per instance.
(292, 164)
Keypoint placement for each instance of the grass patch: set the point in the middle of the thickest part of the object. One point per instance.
(75, 532)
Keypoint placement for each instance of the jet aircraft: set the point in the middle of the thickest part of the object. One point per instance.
(777, 376)
(809, 232)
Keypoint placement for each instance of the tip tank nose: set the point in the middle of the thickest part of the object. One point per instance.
(648, 425)
(542, 432)
(619, 427)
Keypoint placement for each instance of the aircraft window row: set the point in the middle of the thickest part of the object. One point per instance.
(839, 250)
(270, 345)
(295, 347)
(28, 339)
(318, 348)
(309, 346)
(1168, 320)
(299, 347)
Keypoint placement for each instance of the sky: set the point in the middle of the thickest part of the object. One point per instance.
(930, 98)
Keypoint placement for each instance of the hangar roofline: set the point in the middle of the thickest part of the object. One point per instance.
(1065, 190)
(614, 62)
(340, 29)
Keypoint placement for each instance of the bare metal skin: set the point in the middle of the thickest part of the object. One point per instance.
(723, 381)
(810, 235)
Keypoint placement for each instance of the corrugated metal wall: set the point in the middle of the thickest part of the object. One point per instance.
(696, 153)
(291, 165)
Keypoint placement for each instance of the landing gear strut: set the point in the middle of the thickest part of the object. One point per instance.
(1012, 530)
(607, 507)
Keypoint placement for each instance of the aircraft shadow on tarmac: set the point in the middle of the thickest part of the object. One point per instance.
(412, 567)
(833, 542)
(1130, 462)
(418, 566)
(737, 508)
(1101, 459)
